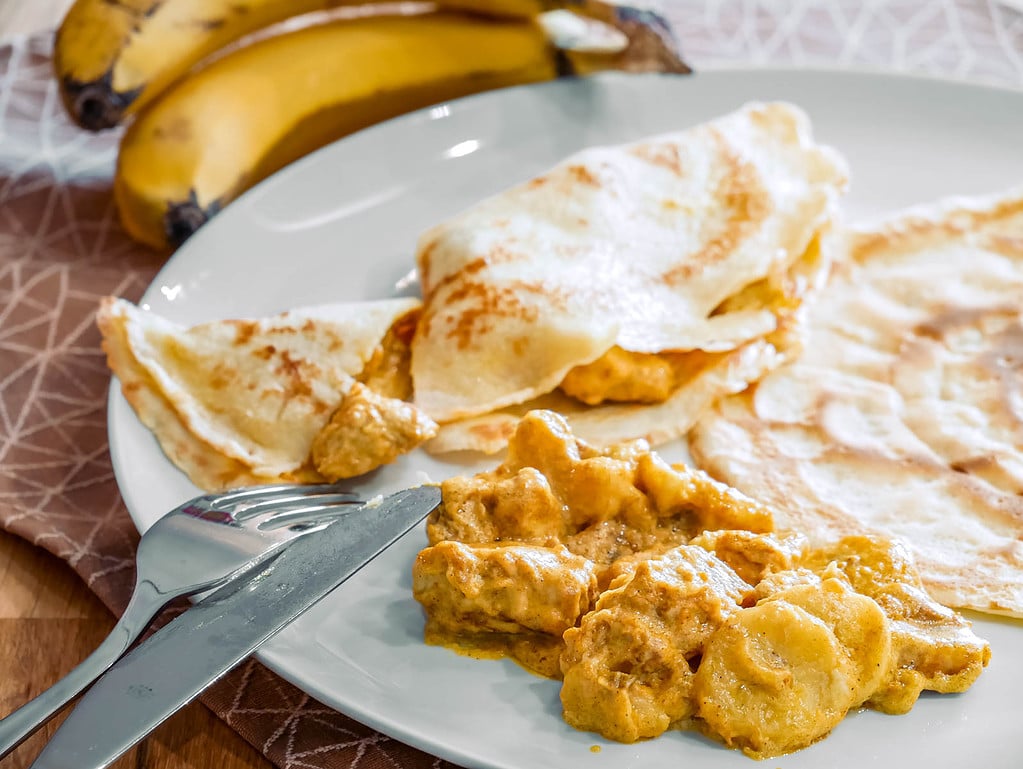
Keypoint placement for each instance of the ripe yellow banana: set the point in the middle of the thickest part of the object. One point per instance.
(111, 58)
(260, 107)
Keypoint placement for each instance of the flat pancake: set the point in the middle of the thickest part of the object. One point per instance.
(636, 246)
(236, 402)
(904, 413)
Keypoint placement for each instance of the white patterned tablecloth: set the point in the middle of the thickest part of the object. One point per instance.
(963, 39)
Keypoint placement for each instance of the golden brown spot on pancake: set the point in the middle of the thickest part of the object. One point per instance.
(404, 328)
(771, 119)
(970, 478)
(243, 330)
(664, 155)
(487, 302)
(1005, 209)
(220, 377)
(582, 175)
(998, 362)
(1008, 353)
(291, 371)
(1002, 510)
(950, 319)
(973, 465)
(497, 255)
(1007, 245)
(539, 181)
(471, 268)
(425, 260)
(999, 327)
(425, 322)
(265, 353)
(745, 204)
(910, 233)
(914, 232)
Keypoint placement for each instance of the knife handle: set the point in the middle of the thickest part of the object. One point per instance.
(145, 602)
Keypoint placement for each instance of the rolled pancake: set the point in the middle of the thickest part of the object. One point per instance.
(904, 413)
(636, 246)
(235, 402)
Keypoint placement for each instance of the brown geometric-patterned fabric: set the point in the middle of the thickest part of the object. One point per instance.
(61, 249)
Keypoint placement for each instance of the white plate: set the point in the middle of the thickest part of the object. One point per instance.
(341, 225)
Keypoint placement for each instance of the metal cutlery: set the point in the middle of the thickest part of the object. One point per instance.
(179, 661)
(200, 545)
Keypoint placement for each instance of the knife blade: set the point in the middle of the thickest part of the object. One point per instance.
(182, 659)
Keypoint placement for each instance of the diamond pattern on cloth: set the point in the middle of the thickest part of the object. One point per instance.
(61, 249)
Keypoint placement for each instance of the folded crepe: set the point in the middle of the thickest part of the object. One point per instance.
(702, 377)
(697, 245)
(904, 413)
(236, 402)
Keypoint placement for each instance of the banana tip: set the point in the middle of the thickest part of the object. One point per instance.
(182, 219)
(95, 105)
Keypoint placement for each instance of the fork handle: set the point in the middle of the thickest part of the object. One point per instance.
(145, 602)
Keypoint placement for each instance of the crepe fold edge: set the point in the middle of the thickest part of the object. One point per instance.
(205, 466)
(197, 436)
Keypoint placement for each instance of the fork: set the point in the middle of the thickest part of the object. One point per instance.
(199, 545)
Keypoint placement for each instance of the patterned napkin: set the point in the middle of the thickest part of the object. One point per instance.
(61, 249)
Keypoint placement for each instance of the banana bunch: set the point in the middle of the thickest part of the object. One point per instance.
(218, 94)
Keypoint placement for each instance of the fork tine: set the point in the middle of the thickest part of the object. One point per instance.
(277, 519)
(284, 504)
(274, 491)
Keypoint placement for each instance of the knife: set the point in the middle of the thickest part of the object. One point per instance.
(178, 662)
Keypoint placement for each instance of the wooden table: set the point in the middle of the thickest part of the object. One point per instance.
(49, 620)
